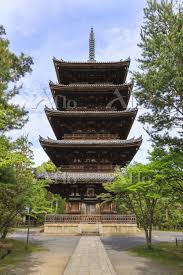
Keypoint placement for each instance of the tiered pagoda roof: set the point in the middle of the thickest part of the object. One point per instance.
(91, 123)
(60, 118)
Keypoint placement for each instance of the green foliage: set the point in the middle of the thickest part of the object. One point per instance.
(56, 203)
(59, 204)
(15, 157)
(160, 79)
(14, 194)
(39, 200)
(169, 210)
(170, 162)
(152, 191)
(12, 69)
(46, 167)
(42, 202)
(18, 187)
(168, 214)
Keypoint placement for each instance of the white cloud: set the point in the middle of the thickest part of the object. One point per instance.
(28, 16)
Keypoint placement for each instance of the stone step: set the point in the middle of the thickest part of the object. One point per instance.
(94, 233)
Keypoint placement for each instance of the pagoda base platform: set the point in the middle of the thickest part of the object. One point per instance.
(90, 224)
(73, 229)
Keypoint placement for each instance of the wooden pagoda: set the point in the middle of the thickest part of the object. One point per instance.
(91, 123)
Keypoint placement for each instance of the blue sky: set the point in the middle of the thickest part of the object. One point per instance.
(60, 28)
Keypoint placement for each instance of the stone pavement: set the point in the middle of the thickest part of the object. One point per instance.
(89, 258)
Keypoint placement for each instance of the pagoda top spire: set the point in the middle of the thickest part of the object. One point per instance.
(92, 46)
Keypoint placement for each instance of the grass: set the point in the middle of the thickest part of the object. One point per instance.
(164, 253)
(19, 252)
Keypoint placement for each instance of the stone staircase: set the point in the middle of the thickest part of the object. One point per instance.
(89, 229)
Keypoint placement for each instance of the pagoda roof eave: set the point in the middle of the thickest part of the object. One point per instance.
(79, 177)
(90, 64)
(128, 112)
(61, 66)
(90, 143)
(56, 87)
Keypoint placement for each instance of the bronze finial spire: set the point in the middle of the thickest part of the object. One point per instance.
(92, 46)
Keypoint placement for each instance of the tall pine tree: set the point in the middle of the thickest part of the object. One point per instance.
(159, 81)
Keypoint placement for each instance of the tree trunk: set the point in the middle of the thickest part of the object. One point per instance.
(148, 234)
(4, 233)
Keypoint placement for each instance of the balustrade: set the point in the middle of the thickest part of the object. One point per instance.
(81, 218)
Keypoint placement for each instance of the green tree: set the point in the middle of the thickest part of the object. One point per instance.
(18, 187)
(12, 69)
(171, 163)
(12, 116)
(40, 201)
(140, 188)
(57, 202)
(168, 214)
(14, 194)
(48, 166)
(159, 81)
(15, 159)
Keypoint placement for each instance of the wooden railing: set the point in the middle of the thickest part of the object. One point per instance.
(106, 218)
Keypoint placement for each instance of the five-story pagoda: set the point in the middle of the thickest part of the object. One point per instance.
(91, 123)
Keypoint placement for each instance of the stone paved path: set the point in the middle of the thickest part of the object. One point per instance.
(89, 258)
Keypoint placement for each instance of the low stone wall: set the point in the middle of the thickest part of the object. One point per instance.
(87, 228)
(61, 228)
(117, 229)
